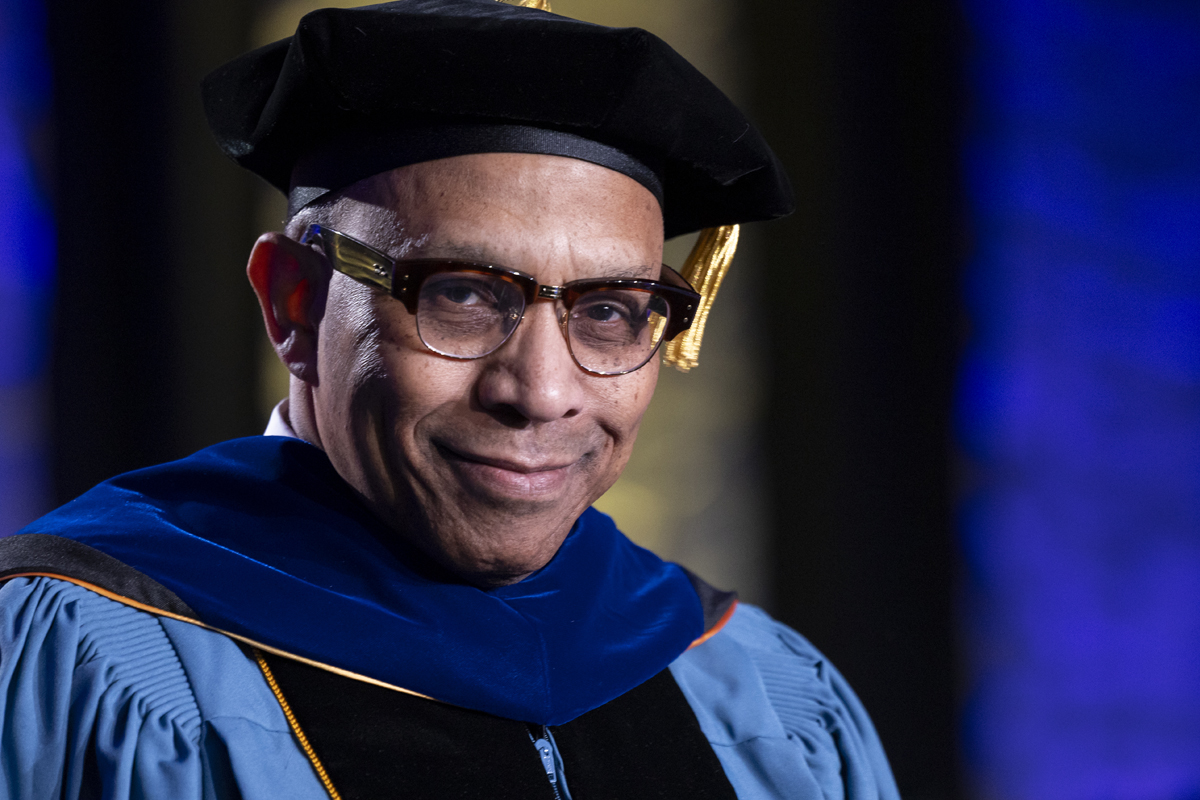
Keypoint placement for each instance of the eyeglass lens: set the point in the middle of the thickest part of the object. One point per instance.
(470, 314)
(611, 331)
(467, 314)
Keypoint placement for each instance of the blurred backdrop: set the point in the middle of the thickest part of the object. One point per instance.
(947, 417)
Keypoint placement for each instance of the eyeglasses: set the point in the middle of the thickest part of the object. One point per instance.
(466, 310)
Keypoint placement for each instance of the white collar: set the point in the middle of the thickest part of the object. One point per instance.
(278, 424)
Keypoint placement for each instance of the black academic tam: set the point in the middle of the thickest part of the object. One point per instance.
(355, 92)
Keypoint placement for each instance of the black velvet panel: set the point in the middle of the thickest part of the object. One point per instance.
(377, 743)
(39, 552)
(645, 744)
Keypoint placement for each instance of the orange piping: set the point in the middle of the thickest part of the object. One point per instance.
(715, 629)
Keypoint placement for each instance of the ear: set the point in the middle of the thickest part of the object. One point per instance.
(291, 282)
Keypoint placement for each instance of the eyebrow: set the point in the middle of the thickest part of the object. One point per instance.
(458, 251)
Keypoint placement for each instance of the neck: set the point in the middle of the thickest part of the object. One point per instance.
(301, 414)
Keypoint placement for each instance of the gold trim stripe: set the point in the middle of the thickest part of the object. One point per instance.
(295, 725)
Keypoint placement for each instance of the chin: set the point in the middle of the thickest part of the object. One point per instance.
(490, 574)
(490, 564)
(488, 580)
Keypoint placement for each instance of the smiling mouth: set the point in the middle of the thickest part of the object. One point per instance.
(505, 477)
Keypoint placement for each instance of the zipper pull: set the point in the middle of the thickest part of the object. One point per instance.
(546, 751)
(547, 755)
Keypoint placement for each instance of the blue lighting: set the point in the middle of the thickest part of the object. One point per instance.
(1079, 400)
(26, 262)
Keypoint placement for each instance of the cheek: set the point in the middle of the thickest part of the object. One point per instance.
(347, 355)
(397, 328)
(625, 404)
(364, 344)
(642, 391)
(351, 328)
(417, 385)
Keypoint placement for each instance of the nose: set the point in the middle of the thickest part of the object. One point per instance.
(533, 377)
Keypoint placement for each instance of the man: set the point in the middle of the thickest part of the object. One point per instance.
(402, 590)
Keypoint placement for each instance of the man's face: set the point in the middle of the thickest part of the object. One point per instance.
(483, 464)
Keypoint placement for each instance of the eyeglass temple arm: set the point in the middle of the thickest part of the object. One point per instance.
(353, 258)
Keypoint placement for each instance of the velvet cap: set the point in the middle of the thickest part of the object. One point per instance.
(355, 92)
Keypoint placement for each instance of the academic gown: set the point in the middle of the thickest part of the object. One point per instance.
(104, 695)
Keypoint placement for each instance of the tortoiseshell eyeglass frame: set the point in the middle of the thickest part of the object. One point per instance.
(403, 278)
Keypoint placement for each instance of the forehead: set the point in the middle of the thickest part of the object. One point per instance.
(529, 212)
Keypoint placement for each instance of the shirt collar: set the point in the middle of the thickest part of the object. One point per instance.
(278, 425)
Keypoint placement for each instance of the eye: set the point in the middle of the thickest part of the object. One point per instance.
(463, 295)
(611, 311)
(606, 312)
(606, 319)
(460, 291)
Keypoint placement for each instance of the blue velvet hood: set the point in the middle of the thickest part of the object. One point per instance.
(262, 538)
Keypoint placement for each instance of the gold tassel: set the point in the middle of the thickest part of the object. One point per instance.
(704, 270)
(540, 5)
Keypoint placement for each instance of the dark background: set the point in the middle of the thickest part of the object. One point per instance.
(862, 101)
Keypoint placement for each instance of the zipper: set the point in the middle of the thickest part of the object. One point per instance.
(551, 761)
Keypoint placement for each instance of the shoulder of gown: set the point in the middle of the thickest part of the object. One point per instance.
(96, 694)
(101, 699)
(781, 718)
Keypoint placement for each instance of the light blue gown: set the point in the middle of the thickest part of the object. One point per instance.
(102, 699)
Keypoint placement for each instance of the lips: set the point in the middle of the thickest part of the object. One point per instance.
(507, 477)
